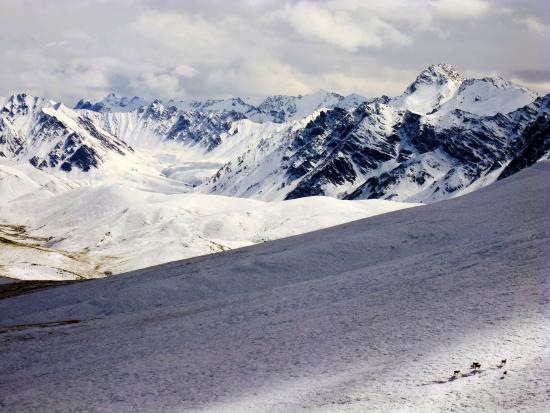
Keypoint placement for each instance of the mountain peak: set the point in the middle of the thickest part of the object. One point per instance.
(437, 74)
(20, 97)
(443, 70)
(112, 103)
(22, 103)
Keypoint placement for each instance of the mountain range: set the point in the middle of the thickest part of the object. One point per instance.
(444, 136)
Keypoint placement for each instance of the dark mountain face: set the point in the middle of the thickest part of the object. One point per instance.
(397, 148)
(475, 147)
(168, 123)
(204, 129)
(340, 146)
(532, 145)
(83, 149)
(384, 156)
(335, 147)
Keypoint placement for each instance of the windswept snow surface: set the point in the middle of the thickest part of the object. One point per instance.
(373, 315)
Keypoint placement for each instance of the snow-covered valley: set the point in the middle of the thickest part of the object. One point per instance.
(373, 315)
(92, 230)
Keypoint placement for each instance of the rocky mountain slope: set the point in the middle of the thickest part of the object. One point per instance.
(445, 134)
(49, 135)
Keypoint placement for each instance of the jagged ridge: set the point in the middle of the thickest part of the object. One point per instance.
(443, 135)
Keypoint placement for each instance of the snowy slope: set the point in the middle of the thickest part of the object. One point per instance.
(156, 125)
(281, 108)
(445, 136)
(374, 315)
(488, 96)
(440, 89)
(277, 108)
(377, 151)
(216, 105)
(18, 180)
(121, 227)
(472, 151)
(435, 86)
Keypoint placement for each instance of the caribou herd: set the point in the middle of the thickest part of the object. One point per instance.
(476, 367)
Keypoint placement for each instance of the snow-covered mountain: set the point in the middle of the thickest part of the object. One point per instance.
(443, 136)
(277, 108)
(155, 123)
(112, 103)
(433, 87)
(129, 209)
(439, 162)
(49, 135)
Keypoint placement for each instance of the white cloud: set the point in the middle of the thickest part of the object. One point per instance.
(334, 28)
(531, 23)
(164, 84)
(66, 50)
(57, 44)
(337, 26)
(508, 11)
(184, 70)
(259, 78)
(543, 86)
(461, 9)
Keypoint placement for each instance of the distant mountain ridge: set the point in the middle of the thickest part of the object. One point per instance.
(445, 135)
(276, 108)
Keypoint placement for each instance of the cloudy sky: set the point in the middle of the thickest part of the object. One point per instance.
(67, 49)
